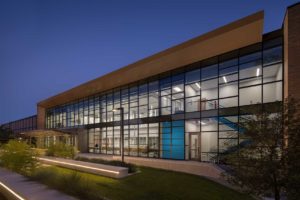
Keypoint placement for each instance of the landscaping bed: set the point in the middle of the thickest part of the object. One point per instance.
(148, 184)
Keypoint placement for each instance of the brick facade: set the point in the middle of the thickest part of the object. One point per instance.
(291, 28)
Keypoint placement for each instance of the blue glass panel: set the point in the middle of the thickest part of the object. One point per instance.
(166, 140)
(177, 148)
(165, 124)
(178, 123)
(166, 130)
(178, 132)
(177, 141)
(166, 154)
(178, 152)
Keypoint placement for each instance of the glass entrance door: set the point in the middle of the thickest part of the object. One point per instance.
(195, 141)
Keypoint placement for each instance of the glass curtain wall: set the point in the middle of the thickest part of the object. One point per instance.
(21, 125)
(191, 113)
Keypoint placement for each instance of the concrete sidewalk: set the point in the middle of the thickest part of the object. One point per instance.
(25, 189)
(208, 170)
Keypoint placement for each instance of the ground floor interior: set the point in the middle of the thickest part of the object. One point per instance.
(203, 139)
(204, 136)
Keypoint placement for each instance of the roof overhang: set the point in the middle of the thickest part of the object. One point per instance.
(241, 33)
(44, 133)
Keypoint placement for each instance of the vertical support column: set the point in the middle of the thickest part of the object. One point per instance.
(122, 132)
(291, 29)
(41, 115)
(291, 33)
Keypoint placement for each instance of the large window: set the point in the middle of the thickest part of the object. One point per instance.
(125, 102)
(153, 105)
(143, 140)
(133, 140)
(133, 102)
(153, 140)
(165, 93)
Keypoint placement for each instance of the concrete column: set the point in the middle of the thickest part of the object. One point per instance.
(41, 115)
(291, 30)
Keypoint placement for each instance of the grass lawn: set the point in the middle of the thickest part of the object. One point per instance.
(148, 184)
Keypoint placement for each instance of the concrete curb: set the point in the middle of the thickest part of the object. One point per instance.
(209, 170)
(93, 168)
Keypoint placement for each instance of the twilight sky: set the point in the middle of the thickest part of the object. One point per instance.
(49, 46)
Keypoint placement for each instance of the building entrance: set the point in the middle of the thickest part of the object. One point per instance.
(195, 148)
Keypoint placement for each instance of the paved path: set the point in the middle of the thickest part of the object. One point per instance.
(25, 189)
(209, 170)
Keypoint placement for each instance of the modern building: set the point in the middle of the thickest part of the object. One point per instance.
(186, 102)
(22, 125)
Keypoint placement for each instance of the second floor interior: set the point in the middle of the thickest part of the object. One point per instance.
(249, 76)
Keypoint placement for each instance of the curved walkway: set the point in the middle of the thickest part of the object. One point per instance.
(17, 187)
(208, 170)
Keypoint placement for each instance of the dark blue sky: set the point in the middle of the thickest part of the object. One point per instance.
(48, 46)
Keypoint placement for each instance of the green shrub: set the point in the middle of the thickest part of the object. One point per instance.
(70, 183)
(131, 167)
(18, 156)
(60, 149)
(41, 152)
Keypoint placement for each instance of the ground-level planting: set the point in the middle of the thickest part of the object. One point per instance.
(147, 184)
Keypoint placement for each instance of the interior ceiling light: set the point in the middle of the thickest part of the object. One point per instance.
(225, 80)
(177, 89)
(257, 71)
(198, 85)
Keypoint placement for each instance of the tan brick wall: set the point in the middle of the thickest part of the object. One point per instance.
(292, 52)
(41, 115)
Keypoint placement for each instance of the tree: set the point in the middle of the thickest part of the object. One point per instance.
(292, 150)
(61, 149)
(269, 165)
